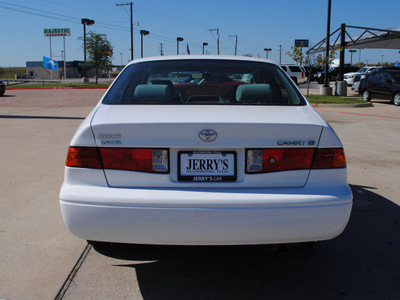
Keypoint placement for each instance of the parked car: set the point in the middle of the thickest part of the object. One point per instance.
(297, 73)
(157, 162)
(334, 72)
(2, 88)
(312, 72)
(350, 77)
(383, 84)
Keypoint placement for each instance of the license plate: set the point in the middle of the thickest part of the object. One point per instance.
(207, 166)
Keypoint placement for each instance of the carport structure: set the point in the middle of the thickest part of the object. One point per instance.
(370, 38)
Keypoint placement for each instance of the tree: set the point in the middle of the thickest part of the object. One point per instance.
(99, 50)
(326, 60)
(296, 54)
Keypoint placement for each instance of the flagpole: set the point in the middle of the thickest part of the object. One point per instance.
(51, 57)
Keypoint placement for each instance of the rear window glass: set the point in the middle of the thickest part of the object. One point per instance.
(219, 82)
(396, 76)
(295, 68)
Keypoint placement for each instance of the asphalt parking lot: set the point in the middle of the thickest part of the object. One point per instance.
(40, 259)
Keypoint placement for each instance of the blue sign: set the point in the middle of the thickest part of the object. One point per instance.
(50, 63)
(301, 43)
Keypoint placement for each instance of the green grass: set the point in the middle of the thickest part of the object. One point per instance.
(333, 99)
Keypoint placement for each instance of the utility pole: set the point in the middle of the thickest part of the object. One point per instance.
(280, 54)
(161, 49)
(235, 36)
(131, 4)
(217, 30)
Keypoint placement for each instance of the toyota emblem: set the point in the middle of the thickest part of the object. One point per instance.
(208, 135)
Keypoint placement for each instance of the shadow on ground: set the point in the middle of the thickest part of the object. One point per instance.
(362, 263)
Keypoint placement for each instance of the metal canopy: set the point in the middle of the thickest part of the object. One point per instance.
(370, 38)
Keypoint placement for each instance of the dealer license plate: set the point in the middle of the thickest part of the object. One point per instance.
(207, 166)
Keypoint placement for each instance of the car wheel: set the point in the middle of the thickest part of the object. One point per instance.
(294, 80)
(396, 99)
(366, 96)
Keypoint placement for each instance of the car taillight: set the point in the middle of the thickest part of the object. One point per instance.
(83, 157)
(329, 158)
(134, 159)
(273, 160)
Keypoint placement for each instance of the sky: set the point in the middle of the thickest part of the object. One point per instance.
(258, 24)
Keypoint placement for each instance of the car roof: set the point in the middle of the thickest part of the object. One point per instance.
(202, 57)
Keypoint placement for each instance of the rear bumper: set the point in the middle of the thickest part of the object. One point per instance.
(211, 217)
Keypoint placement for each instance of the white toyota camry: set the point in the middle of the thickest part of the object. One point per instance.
(205, 150)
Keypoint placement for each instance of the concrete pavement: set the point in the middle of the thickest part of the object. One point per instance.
(39, 255)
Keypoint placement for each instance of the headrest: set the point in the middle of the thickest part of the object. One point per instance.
(153, 93)
(254, 93)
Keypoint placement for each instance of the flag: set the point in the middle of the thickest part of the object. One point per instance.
(50, 63)
(187, 49)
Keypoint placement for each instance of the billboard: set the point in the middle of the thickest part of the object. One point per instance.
(57, 32)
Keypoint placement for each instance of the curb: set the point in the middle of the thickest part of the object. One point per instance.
(342, 105)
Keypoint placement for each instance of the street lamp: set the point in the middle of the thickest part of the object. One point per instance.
(178, 39)
(85, 22)
(266, 51)
(351, 52)
(204, 44)
(142, 33)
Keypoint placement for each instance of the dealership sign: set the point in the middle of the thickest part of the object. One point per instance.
(301, 43)
(57, 32)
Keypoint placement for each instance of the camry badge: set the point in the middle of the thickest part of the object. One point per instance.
(208, 135)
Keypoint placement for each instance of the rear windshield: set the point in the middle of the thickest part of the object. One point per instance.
(395, 75)
(219, 82)
(294, 68)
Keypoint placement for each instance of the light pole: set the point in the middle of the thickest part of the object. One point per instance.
(178, 39)
(328, 33)
(85, 22)
(382, 59)
(266, 52)
(142, 33)
(121, 58)
(204, 44)
(351, 55)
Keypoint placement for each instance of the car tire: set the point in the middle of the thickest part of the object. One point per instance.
(294, 79)
(396, 99)
(366, 95)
